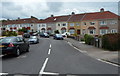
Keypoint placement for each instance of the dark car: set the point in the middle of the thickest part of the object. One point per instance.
(14, 45)
(58, 37)
(33, 39)
(26, 35)
(46, 35)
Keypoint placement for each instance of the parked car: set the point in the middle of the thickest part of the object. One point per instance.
(26, 35)
(33, 39)
(46, 35)
(58, 37)
(14, 45)
(35, 34)
(65, 34)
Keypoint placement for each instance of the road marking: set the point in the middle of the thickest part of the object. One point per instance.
(108, 62)
(49, 51)
(1, 56)
(50, 73)
(77, 48)
(43, 67)
(50, 45)
(80, 50)
(3, 74)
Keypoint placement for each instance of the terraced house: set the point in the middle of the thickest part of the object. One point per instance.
(95, 23)
(14, 25)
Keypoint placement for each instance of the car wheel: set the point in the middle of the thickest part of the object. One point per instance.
(27, 50)
(17, 52)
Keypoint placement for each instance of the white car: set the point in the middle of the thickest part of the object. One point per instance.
(65, 34)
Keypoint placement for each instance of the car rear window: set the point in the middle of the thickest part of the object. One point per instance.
(7, 40)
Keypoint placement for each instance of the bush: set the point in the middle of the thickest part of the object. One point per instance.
(89, 39)
(111, 41)
(9, 33)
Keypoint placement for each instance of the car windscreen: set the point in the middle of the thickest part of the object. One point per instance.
(7, 40)
(33, 37)
(59, 35)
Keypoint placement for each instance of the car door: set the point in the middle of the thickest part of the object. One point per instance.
(24, 43)
(21, 44)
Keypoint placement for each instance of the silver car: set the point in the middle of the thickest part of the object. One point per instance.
(33, 39)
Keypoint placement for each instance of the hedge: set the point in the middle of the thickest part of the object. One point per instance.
(111, 42)
(9, 33)
(89, 39)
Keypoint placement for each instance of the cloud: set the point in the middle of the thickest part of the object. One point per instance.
(54, 6)
(14, 9)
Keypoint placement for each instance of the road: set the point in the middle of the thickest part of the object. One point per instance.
(55, 57)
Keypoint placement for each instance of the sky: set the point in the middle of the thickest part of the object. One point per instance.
(41, 9)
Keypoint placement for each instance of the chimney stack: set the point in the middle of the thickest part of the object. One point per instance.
(73, 13)
(102, 10)
(52, 15)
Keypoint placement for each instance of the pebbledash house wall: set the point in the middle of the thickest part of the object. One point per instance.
(51, 25)
(109, 25)
(59, 28)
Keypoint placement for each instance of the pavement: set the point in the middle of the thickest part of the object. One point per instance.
(98, 53)
(52, 57)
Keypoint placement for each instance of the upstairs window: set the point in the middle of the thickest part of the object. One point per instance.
(31, 25)
(43, 25)
(64, 24)
(113, 22)
(58, 24)
(85, 23)
(71, 24)
(77, 24)
(92, 23)
(103, 23)
(114, 31)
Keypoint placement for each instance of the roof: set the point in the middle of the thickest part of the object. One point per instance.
(67, 18)
(99, 15)
(21, 21)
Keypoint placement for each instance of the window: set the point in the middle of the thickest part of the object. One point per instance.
(64, 24)
(43, 25)
(114, 31)
(113, 22)
(84, 23)
(31, 25)
(92, 23)
(71, 24)
(77, 24)
(58, 24)
(83, 32)
(39, 25)
(72, 31)
(103, 23)
(92, 31)
(103, 31)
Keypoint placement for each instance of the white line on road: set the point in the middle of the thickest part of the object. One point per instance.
(49, 51)
(108, 62)
(50, 45)
(80, 50)
(50, 73)
(3, 74)
(1, 56)
(43, 67)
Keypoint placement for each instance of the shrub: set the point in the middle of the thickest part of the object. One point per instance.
(89, 39)
(111, 41)
(9, 33)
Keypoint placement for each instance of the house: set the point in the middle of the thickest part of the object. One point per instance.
(100, 23)
(74, 24)
(41, 26)
(62, 24)
(15, 25)
(96, 23)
